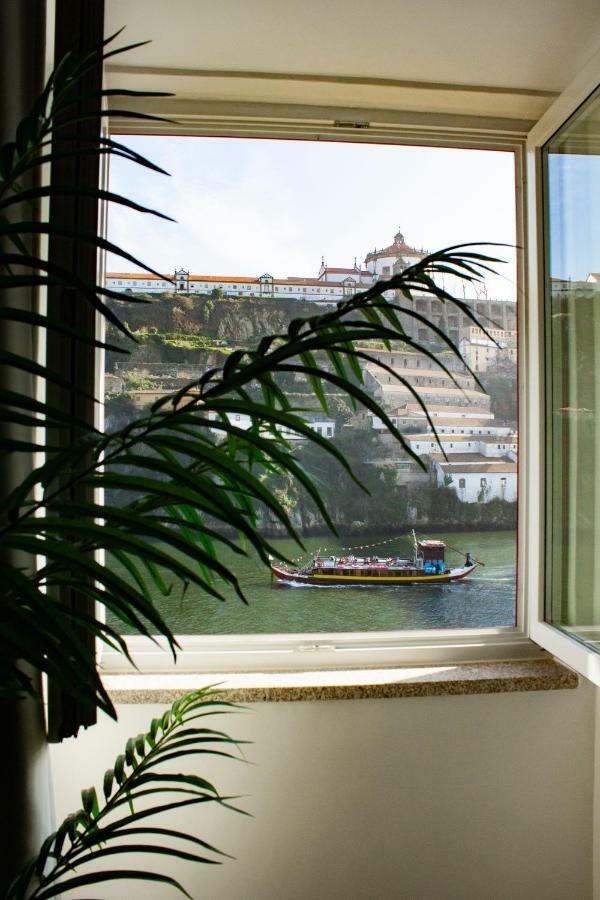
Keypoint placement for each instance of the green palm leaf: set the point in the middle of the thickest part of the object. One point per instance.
(97, 830)
(191, 478)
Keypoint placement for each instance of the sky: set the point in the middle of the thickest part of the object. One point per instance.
(574, 214)
(250, 206)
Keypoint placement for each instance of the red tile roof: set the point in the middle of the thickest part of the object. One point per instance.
(401, 249)
(229, 279)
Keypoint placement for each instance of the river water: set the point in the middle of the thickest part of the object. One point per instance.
(486, 599)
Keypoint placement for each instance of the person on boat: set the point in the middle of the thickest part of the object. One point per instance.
(468, 560)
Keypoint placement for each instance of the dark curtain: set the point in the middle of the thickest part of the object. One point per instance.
(79, 29)
(25, 774)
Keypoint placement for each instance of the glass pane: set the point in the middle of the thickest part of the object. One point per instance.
(572, 199)
(271, 230)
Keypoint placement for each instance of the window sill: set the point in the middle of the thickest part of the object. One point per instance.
(421, 681)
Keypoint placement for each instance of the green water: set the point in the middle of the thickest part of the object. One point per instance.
(486, 599)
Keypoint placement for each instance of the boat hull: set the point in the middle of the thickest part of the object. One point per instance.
(292, 577)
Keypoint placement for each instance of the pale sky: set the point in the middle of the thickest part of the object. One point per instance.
(245, 207)
(574, 212)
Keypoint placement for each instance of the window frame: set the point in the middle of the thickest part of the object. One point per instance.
(567, 649)
(326, 650)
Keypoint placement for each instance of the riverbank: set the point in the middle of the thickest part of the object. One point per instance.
(371, 531)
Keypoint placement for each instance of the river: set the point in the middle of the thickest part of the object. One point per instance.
(486, 599)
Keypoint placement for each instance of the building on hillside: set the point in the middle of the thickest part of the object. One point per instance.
(331, 285)
(471, 454)
(449, 419)
(450, 319)
(475, 478)
(456, 412)
(318, 422)
(407, 472)
(181, 279)
(458, 424)
(392, 259)
(482, 445)
(393, 393)
(481, 352)
(392, 382)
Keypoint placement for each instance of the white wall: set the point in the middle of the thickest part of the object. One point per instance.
(495, 488)
(443, 798)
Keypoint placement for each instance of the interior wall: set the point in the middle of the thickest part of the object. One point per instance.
(436, 798)
(596, 827)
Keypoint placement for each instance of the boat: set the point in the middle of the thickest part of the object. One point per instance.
(427, 566)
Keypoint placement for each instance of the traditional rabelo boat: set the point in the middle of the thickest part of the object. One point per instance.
(427, 566)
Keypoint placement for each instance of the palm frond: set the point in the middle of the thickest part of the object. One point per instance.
(112, 821)
(192, 480)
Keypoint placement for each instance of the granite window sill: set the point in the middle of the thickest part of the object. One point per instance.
(355, 684)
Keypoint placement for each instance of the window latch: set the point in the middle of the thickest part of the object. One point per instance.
(348, 123)
(312, 648)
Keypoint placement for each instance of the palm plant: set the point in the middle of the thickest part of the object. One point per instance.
(187, 491)
(115, 823)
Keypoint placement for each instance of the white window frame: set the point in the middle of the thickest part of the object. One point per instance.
(325, 650)
(567, 649)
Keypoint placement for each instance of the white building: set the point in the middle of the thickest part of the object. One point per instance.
(485, 445)
(395, 258)
(329, 287)
(480, 351)
(318, 422)
(479, 481)
(445, 426)
(331, 284)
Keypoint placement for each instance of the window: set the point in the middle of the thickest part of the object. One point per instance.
(564, 165)
(271, 604)
(572, 181)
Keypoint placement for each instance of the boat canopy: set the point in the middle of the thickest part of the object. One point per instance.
(431, 551)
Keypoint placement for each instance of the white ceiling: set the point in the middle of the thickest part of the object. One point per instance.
(501, 59)
(532, 44)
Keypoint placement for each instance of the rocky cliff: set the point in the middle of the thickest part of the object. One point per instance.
(225, 318)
